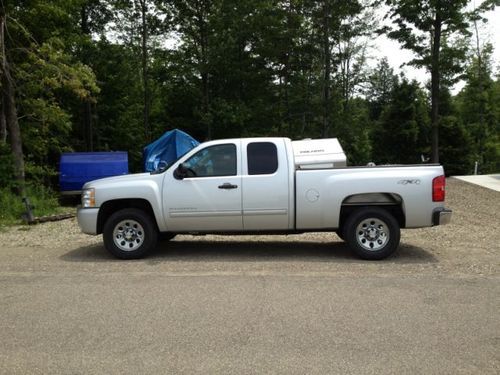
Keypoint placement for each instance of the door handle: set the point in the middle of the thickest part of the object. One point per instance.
(227, 185)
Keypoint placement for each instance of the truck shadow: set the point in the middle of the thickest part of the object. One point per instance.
(241, 251)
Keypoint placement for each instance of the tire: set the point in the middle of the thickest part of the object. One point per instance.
(166, 236)
(372, 233)
(340, 233)
(130, 234)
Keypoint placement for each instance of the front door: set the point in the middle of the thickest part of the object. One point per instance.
(209, 197)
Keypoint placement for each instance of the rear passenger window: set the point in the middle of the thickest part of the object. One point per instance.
(262, 158)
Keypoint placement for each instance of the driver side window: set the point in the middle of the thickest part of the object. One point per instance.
(219, 160)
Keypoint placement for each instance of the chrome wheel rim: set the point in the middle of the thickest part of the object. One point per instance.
(372, 234)
(128, 235)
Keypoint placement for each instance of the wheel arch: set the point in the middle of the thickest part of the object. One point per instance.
(391, 202)
(110, 207)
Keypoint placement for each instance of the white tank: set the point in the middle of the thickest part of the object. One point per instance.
(318, 154)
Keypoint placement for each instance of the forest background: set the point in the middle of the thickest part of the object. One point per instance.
(99, 75)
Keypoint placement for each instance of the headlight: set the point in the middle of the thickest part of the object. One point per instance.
(88, 197)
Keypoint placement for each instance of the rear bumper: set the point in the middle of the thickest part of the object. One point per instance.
(441, 216)
(87, 219)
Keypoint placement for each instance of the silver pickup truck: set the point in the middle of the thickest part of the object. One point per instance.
(265, 185)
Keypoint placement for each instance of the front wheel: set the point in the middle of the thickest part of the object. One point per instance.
(129, 234)
(372, 233)
(340, 233)
(166, 236)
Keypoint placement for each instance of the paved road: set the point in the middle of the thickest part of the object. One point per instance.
(209, 307)
(491, 181)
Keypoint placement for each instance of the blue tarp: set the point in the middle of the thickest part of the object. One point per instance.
(168, 148)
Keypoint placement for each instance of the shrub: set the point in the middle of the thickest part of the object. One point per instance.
(44, 201)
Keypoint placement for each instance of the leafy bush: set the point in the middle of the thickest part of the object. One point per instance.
(44, 201)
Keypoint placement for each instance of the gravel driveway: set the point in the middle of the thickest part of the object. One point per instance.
(469, 245)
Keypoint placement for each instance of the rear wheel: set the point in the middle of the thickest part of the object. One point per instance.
(372, 233)
(129, 234)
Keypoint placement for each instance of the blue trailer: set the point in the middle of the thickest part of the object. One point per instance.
(77, 168)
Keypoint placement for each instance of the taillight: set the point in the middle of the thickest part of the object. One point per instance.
(438, 189)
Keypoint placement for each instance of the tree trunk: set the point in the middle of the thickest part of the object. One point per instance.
(88, 126)
(3, 123)
(205, 82)
(480, 135)
(286, 72)
(145, 80)
(86, 105)
(435, 82)
(10, 112)
(326, 77)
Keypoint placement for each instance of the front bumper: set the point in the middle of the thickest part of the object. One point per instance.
(87, 219)
(441, 216)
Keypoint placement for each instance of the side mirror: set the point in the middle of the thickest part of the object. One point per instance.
(180, 172)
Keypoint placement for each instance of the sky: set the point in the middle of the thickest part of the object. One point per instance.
(397, 56)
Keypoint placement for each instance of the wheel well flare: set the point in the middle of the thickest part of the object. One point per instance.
(110, 207)
(393, 203)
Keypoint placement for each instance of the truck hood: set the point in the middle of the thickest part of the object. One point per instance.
(117, 180)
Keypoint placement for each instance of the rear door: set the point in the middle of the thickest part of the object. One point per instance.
(209, 199)
(265, 185)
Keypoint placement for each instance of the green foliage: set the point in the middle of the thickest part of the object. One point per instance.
(6, 167)
(456, 148)
(44, 201)
(417, 21)
(402, 125)
(478, 108)
(242, 68)
(46, 74)
(381, 83)
(119, 105)
(46, 78)
(434, 31)
(354, 132)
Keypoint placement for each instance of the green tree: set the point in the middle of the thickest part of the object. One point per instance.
(328, 18)
(94, 16)
(397, 136)
(228, 63)
(427, 28)
(381, 82)
(38, 75)
(194, 20)
(354, 132)
(118, 121)
(478, 104)
(139, 27)
(10, 123)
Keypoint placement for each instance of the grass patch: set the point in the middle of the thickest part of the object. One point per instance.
(45, 202)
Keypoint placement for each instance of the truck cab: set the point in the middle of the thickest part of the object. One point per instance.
(236, 185)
